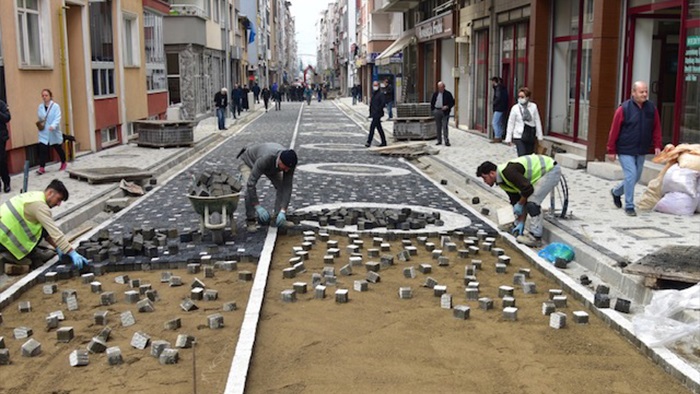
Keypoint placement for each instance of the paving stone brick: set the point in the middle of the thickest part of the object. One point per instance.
(409, 272)
(404, 255)
(485, 303)
(158, 346)
(425, 268)
(497, 252)
(306, 246)
(472, 282)
(127, 319)
(96, 287)
(100, 318)
(327, 259)
(559, 301)
(289, 273)
(51, 276)
(114, 355)
(446, 300)
(131, 296)
(31, 348)
(555, 292)
(557, 320)
(289, 295)
(97, 345)
(175, 281)
(501, 268)
(486, 246)
(473, 250)
(4, 356)
(320, 291)
(184, 341)
(300, 287)
(22, 332)
(405, 292)
(430, 283)
(50, 288)
(510, 313)
(525, 272)
(477, 264)
(461, 312)
(385, 247)
(245, 276)
(104, 334)
(360, 285)
(529, 288)
(173, 324)
(67, 293)
(87, 278)
(601, 300)
(508, 301)
(439, 290)
(346, 270)
(342, 296)
(2, 343)
(580, 317)
(518, 279)
(602, 289)
(197, 294)
(135, 283)
(59, 315)
(107, 298)
(165, 276)
(429, 246)
(230, 306)
(505, 291)
(145, 306)
(386, 260)
(211, 295)
(65, 334)
(24, 306)
(140, 340)
(548, 308)
(373, 277)
(622, 305)
(122, 279)
(168, 357)
(144, 288)
(188, 305)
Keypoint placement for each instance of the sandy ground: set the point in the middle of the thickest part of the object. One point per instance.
(50, 372)
(380, 343)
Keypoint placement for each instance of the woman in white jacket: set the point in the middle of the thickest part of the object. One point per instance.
(50, 136)
(522, 114)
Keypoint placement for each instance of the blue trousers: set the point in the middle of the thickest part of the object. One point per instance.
(632, 167)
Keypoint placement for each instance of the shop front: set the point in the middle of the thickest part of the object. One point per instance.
(435, 47)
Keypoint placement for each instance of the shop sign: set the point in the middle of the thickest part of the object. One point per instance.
(691, 68)
(438, 27)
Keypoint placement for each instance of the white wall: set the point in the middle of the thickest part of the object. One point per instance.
(643, 37)
(447, 63)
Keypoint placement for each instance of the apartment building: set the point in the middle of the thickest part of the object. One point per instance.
(92, 56)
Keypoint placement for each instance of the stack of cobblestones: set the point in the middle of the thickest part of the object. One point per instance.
(214, 184)
(370, 218)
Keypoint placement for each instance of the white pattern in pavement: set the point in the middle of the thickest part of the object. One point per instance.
(332, 146)
(354, 169)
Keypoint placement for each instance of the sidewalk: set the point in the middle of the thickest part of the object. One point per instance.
(595, 220)
(155, 160)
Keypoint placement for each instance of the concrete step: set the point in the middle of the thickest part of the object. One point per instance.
(613, 171)
(570, 160)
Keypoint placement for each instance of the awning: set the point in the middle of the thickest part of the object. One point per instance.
(406, 38)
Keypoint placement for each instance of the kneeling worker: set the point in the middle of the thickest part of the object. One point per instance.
(25, 219)
(276, 163)
(527, 180)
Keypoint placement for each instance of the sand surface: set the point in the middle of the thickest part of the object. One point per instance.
(380, 343)
(50, 372)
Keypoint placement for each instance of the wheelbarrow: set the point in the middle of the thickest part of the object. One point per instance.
(223, 205)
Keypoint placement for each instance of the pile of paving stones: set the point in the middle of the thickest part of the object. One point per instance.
(370, 218)
(215, 184)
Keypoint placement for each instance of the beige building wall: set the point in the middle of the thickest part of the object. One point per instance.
(78, 46)
(135, 94)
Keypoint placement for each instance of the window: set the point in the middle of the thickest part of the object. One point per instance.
(131, 41)
(216, 11)
(155, 53)
(102, 48)
(32, 25)
(109, 135)
(174, 78)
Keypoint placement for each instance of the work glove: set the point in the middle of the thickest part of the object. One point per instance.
(78, 260)
(59, 252)
(518, 209)
(518, 228)
(263, 215)
(281, 219)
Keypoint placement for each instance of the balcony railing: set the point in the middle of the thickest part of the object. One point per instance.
(383, 37)
(187, 10)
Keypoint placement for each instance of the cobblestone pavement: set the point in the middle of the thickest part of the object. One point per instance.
(334, 168)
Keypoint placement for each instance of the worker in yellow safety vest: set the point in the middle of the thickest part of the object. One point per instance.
(527, 180)
(25, 219)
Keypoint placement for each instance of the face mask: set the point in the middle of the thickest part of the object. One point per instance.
(383, 85)
(522, 100)
(375, 87)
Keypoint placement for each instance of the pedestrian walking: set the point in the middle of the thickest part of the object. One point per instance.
(308, 92)
(277, 97)
(353, 93)
(25, 219)
(319, 93)
(441, 104)
(389, 93)
(236, 100)
(277, 164)
(221, 103)
(500, 106)
(256, 93)
(376, 111)
(266, 97)
(5, 118)
(635, 130)
(527, 180)
(50, 136)
(244, 101)
(524, 124)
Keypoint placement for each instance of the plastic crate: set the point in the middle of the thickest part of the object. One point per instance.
(164, 133)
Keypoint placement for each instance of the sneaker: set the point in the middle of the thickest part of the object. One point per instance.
(439, 143)
(40, 171)
(63, 166)
(496, 141)
(252, 227)
(617, 200)
(448, 144)
(7, 188)
(529, 240)
(631, 212)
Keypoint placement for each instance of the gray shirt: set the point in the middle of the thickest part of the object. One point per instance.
(438, 101)
(262, 160)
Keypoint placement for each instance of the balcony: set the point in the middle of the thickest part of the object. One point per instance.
(382, 6)
(383, 37)
(187, 10)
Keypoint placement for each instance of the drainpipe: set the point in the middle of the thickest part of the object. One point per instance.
(227, 65)
(68, 147)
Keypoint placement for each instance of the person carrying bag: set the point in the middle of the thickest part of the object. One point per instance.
(49, 126)
(524, 125)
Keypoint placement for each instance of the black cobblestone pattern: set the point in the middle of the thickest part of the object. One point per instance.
(168, 208)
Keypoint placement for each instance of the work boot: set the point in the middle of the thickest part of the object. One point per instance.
(252, 227)
(529, 240)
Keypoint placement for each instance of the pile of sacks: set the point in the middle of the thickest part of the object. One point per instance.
(677, 188)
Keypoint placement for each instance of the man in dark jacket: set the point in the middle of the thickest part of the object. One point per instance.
(376, 111)
(635, 129)
(389, 93)
(236, 100)
(441, 104)
(266, 94)
(4, 136)
(276, 163)
(500, 106)
(256, 93)
(221, 102)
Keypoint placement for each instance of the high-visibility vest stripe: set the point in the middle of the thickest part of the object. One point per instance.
(18, 235)
(532, 173)
(13, 239)
(21, 221)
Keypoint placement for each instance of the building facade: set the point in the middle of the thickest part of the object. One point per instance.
(92, 56)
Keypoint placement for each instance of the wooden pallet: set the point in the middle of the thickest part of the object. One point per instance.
(109, 174)
(671, 263)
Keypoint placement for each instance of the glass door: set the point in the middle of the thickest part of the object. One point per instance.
(481, 83)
